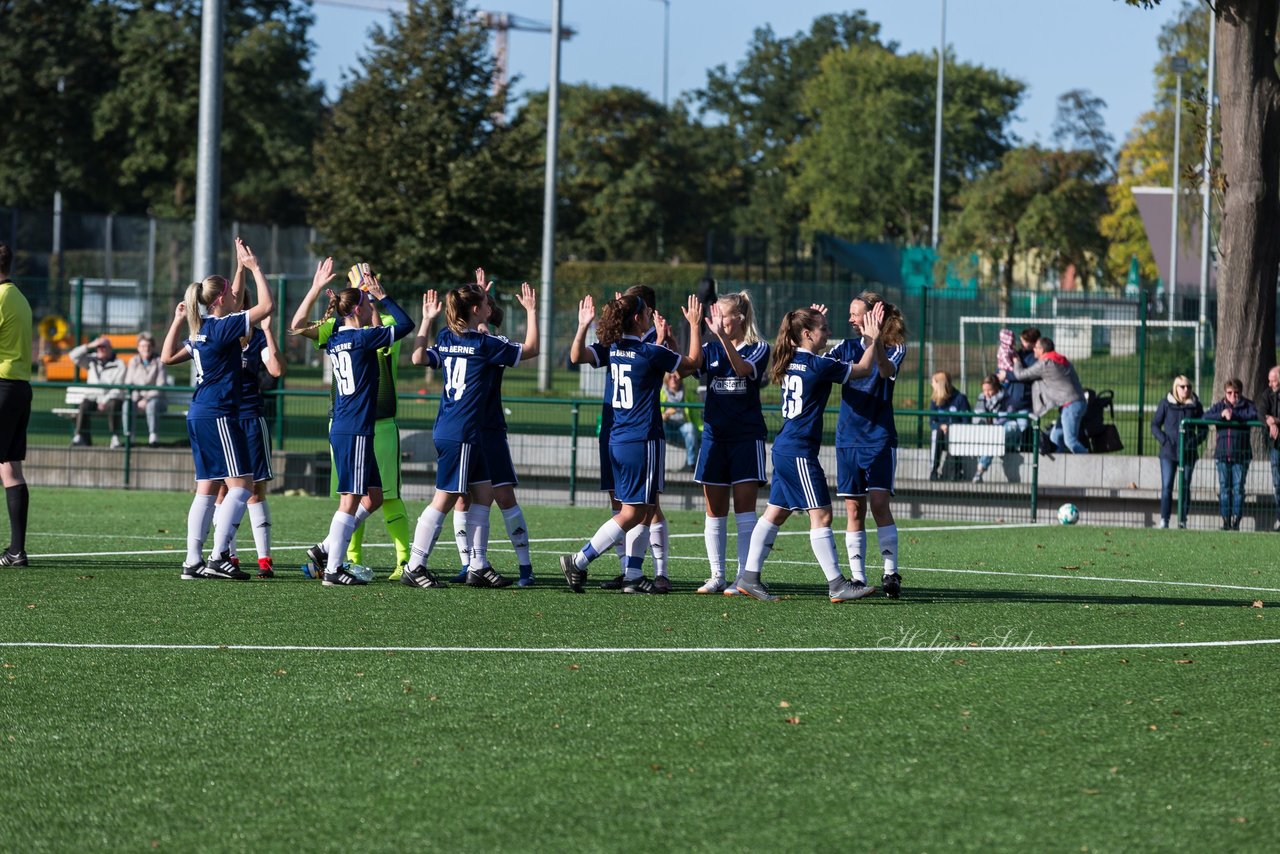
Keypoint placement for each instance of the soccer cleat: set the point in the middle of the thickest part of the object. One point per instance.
(317, 560)
(574, 576)
(640, 585)
(526, 577)
(221, 569)
(662, 584)
(342, 578)
(756, 590)
(714, 584)
(615, 583)
(265, 569)
(8, 558)
(234, 560)
(461, 577)
(420, 576)
(850, 591)
(398, 572)
(891, 584)
(487, 577)
(192, 573)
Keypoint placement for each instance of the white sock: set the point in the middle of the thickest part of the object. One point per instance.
(361, 514)
(658, 543)
(608, 534)
(335, 544)
(460, 537)
(478, 534)
(855, 545)
(823, 544)
(746, 525)
(260, 521)
(887, 537)
(637, 545)
(425, 535)
(199, 517)
(715, 533)
(517, 532)
(762, 537)
(227, 520)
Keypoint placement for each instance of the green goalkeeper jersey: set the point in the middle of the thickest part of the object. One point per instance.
(388, 368)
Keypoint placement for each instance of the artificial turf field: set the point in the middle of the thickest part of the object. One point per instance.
(1036, 688)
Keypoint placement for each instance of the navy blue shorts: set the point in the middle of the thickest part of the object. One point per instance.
(258, 441)
(639, 469)
(860, 470)
(497, 458)
(459, 466)
(219, 448)
(799, 483)
(727, 463)
(355, 463)
(606, 465)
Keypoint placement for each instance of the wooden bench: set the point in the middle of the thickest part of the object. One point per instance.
(976, 440)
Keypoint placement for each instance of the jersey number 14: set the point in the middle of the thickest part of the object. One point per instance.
(455, 377)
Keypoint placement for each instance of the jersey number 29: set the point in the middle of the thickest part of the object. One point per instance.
(343, 374)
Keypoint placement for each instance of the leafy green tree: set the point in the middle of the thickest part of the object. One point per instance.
(270, 109)
(46, 144)
(864, 168)
(412, 173)
(1081, 125)
(1041, 201)
(760, 103)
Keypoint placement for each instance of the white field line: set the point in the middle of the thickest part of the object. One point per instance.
(890, 646)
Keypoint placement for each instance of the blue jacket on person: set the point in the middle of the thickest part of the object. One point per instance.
(956, 403)
(1167, 423)
(1232, 444)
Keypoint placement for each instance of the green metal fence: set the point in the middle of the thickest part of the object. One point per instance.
(1202, 494)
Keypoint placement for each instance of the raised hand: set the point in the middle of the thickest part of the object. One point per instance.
(818, 307)
(480, 280)
(180, 312)
(693, 310)
(528, 297)
(244, 255)
(430, 306)
(661, 326)
(872, 320)
(323, 275)
(375, 289)
(586, 312)
(716, 321)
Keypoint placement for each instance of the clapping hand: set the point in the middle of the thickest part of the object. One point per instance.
(528, 297)
(430, 306)
(586, 312)
(693, 310)
(244, 255)
(323, 275)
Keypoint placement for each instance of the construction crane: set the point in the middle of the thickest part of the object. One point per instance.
(502, 23)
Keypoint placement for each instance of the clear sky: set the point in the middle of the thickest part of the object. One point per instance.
(1104, 46)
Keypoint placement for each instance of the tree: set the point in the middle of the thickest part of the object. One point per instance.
(1249, 92)
(864, 168)
(270, 109)
(46, 145)
(1042, 200)
(632, 171)
(1081, 125)
(412, 174)
(760, 103)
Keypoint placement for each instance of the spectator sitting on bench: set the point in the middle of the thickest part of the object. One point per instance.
(945, 398)
(99, 359)
(147, 369)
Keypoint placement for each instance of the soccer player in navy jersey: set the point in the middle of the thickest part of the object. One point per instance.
(799, 483)
(867, 440)
(218, 443)
(734, 364)
(352, 350)
(470, 361)
(636, 440)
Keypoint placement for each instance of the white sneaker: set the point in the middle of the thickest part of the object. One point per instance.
(115, 441)
(731, 588)
(153, 438)
(714, 584)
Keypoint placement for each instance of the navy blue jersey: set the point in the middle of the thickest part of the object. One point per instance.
(495, 419)
(215, 366)
(732, 413)
(866, 403)
(636, 369)
(471, 363)
(600, 358)
(805, 389)
(352, 353)
(250, 368)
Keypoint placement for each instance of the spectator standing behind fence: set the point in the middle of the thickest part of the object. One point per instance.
(1181, 402)
(1232, 451)
(146, 369)
(944, 398)
(1017, 394)
(15, 404)
(1055, 384)
(676, 419)
(1269, 411)
(104, 368)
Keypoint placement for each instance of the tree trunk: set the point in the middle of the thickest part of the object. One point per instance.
(1250, 250)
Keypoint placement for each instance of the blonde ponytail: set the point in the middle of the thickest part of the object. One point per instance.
(192, 302)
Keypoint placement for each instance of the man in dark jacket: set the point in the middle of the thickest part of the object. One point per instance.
(1181, 402)
(1232, 450)
(1269, 411)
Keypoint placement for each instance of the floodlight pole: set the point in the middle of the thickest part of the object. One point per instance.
(204, 248)
(547, 306)
(937, 130)
(1205, 185)
(1179, 66)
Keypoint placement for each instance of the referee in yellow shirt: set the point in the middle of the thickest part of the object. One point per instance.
(15, 403)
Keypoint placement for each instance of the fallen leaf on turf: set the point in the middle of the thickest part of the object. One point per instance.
(784, 705)
(655, 767)
(1153, 728)
(1185, 661)
(1257, 603)
(1239, 819)
(1124, 661)
(281, 671)
(959, 661)
(1090, 791)
(964, 713)
(793, 720)
(29, 607)
(90, 578)
(162, 530)
(575, 667)
(1077, 566)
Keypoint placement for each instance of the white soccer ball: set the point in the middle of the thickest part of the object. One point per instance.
(1068, 514)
